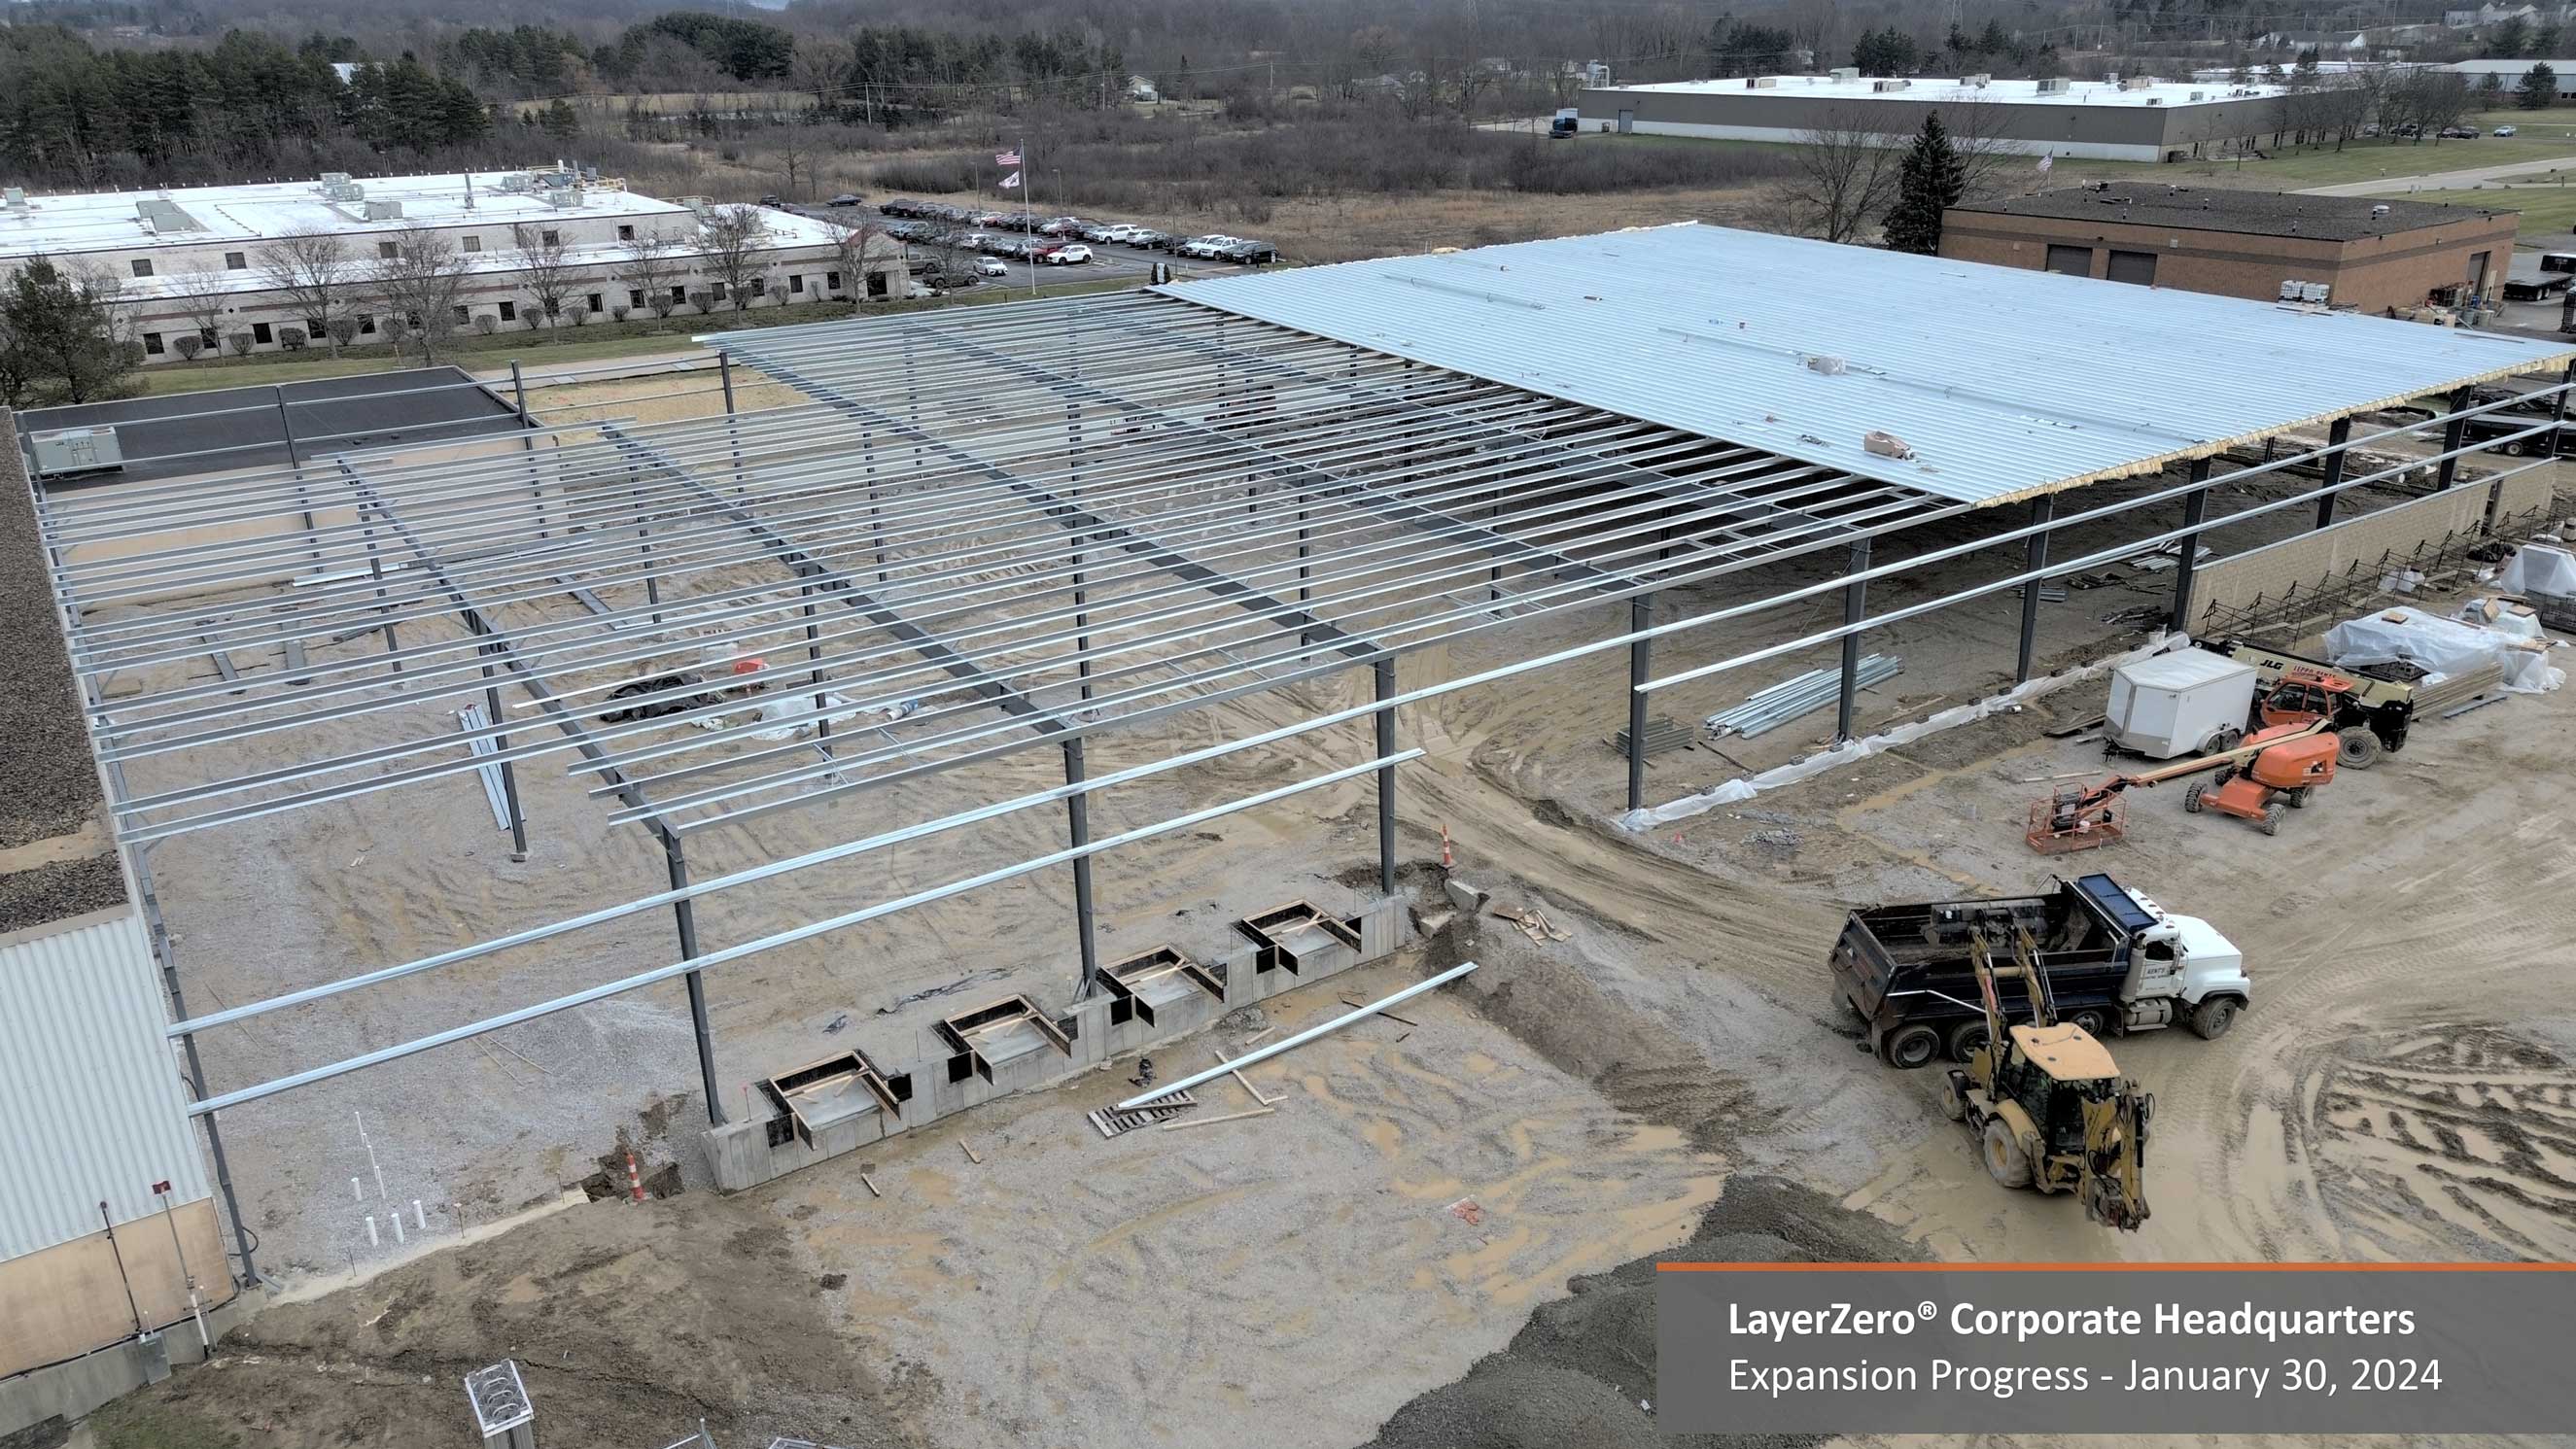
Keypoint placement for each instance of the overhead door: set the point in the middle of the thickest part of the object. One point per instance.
(2138, 267)
(2073, 261)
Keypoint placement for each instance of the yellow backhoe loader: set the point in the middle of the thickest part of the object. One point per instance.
(2047, 1105)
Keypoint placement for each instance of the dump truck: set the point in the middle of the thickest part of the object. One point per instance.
(2113, 962)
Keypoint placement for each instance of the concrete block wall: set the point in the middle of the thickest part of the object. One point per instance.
(739, 1154)
(2308, 559)
(2525, 494)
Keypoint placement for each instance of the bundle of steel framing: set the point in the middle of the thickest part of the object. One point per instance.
(1767, 709)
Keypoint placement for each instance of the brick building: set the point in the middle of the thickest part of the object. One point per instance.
(2375, 256)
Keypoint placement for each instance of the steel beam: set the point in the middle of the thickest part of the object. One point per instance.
(2454, 427)
(1383, 675)
(2034, 556)
(1641, 617)
(1855, 608)
(2195, 510)
(2338, 438)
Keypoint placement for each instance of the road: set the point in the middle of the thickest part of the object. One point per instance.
(2444, 180)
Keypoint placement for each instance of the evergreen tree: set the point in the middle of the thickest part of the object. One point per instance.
(561, 122)
(2538, 88)
(61, 335)
(1931, 181)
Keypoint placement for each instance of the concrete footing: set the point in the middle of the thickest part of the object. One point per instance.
(770, 1145)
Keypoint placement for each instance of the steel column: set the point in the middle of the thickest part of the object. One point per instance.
(2195, 508)
(2452, 431)
(501, 746)
(1855, 606)
(2034, 556)
(1641, 616)
(2336, 438)
(1384, 673)
(684, 916)
(1077, 818)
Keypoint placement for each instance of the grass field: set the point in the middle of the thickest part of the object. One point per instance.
(604, 342)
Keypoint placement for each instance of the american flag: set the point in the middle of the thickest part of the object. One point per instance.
(1006, 158)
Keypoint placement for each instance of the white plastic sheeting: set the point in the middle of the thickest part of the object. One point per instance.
(2443, 647)
(2537, 570)
(1737, 791)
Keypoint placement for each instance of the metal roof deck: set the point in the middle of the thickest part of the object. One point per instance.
(2005, 382)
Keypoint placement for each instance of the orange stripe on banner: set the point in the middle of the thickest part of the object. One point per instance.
(2123, 1267)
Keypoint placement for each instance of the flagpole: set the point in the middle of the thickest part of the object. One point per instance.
(1028, 211)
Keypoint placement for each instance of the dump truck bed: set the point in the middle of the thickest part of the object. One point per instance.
(1900, 963)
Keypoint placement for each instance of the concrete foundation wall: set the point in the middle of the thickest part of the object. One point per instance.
(2269, 572)
(68, 1391)
(740, 1155)
(70, 1298)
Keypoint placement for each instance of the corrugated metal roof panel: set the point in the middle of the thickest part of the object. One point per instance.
(2005, 382)
(92, 1104)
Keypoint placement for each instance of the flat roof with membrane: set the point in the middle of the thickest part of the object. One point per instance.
(2001, 382)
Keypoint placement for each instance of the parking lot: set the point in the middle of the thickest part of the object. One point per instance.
(1108, 259)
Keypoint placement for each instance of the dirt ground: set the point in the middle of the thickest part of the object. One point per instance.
(1426, 1187)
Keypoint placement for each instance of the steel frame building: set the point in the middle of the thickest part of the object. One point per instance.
(1048, 520)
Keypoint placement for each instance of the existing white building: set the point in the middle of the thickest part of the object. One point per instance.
(167, 249)
(2138, 119)
(2509, 73)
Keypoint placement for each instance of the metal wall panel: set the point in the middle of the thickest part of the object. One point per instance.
(92, 1103)
(2004, 382)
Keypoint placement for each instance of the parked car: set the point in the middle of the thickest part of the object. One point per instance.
(1062, 226)
(2502, 131)
(2459, 133)
(1206, 247)
(1148, 238)
(991, 267)
(847, 199)
(770, 200)
(1071, 254)
(1096, 231)
(1248, 253)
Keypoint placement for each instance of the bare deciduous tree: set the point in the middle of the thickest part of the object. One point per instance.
(822, 67)
(652, 266)
(318, 275)
(1845, 174)
(546, 268)
(730, 238)
(198, 292)
(1986, 166)
(800, 150)
(421, 285)
(850, 248)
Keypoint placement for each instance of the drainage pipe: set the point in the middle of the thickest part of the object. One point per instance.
(1300, 1039)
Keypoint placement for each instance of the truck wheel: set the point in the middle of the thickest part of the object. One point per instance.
(1954, 1096)
(2271, 820)
(2223, 740)
(1912, 1046)
(2090, 1020)
(2360, 748)
(2211, 1019)
(2191, 800)
(2006, 1163)
(1965, 1038)
(2298, 798)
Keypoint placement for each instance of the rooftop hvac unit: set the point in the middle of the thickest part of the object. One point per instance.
(1761, 82)
(2053, 87)
(1981, 79)
(343, 191)
(17, 198)
(563, 198)
(341, 178)
(2155, 100)
(384, 211)
(2379, 210)
(1846, 72)
(1882, 87)
(512, 181)
(2137, 83)
(75, 450)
